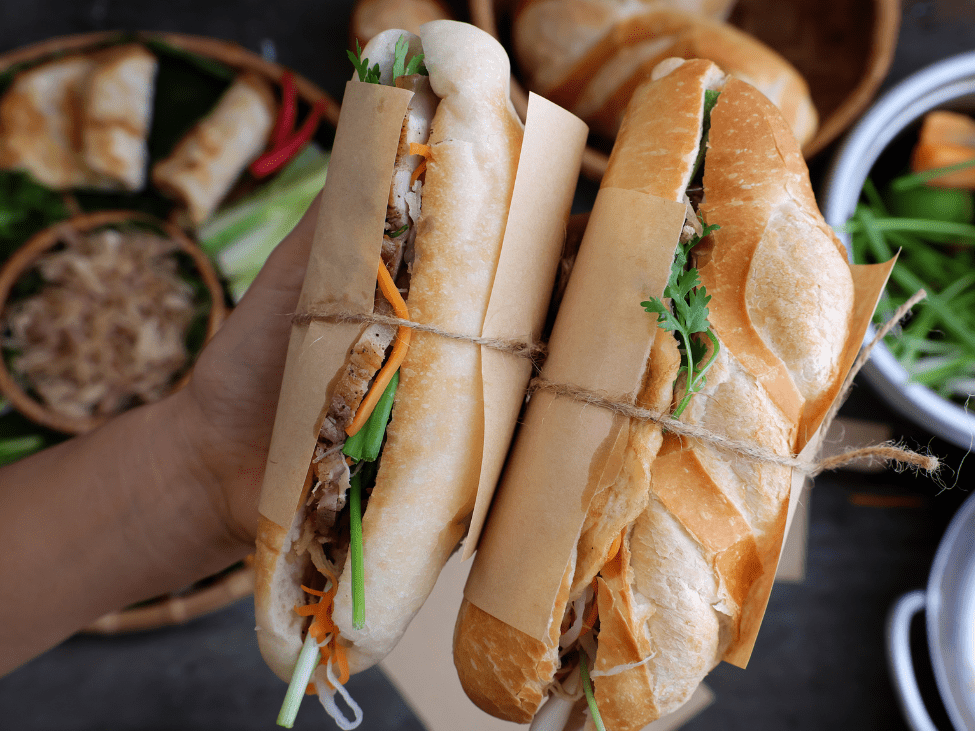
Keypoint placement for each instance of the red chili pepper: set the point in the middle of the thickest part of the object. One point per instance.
(280, 154)
(289, 110)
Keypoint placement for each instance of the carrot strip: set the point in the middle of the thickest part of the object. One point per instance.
(592, 614)
(420, 169)
(395, 360)
(417, 149)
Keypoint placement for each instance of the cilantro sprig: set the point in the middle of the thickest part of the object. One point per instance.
(687, 316)
(401, 67)
(366, 74)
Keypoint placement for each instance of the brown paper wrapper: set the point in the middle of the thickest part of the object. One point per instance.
(544, 495)
(601, 342)
(869, 281)
(342, 278)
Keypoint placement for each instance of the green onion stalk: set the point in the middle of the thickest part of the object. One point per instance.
(364, 447)
(241, 236)
(300, 678)
(588, 690)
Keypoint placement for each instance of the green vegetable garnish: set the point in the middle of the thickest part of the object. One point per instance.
(401, 67)
(934, 231)
(587, 688)
(914, 180)
(355, 550)
(399, 232)
(687, 316)
(241, 235)
(364, 446)
(710, 99)
(307, 662)
(366, 74)
(18, 447)
(938, 204)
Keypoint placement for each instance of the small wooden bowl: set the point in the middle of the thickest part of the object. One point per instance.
(27, 256)
(843, 48)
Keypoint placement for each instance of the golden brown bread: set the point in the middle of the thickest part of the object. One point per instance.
(699, 551)
(589, 56)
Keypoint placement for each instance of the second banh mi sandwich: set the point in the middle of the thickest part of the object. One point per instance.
(381, 508)
(665, 565)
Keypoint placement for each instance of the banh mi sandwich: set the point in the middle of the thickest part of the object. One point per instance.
(383, 506)
(657, 550)
(589, 55)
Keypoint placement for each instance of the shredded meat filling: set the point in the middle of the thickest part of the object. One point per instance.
(326, 519)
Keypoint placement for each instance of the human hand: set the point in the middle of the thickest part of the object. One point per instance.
(226, 411)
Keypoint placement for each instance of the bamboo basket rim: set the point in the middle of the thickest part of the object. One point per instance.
(882, 39)
(31, 251)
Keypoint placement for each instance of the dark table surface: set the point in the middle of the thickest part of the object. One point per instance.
(820, 658)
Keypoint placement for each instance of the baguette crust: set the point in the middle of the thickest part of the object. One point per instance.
(700, 551)
(429, 468)
(594, 54)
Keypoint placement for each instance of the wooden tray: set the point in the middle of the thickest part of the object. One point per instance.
(843, 48)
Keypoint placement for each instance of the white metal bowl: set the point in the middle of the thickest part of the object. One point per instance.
(948, 84)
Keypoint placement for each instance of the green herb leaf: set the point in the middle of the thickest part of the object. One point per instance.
(686, 316)
(400, 65)
(366, 74)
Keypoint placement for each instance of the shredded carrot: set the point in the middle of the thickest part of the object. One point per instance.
(322, 626)
(420, 169)
(400, 346)
(417, 149)
(592, 613)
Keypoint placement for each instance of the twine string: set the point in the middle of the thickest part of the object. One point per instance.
(885, 453)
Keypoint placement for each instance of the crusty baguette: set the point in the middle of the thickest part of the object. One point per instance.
(429, 467)
(589, 56)
(706, 524)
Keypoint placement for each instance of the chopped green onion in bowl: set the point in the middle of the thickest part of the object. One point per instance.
(932, 230)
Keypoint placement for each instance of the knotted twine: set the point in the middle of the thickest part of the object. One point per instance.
(885, 453)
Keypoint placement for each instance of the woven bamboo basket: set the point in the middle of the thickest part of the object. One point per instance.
(218, 591)
(843, 48)
(24, 259)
